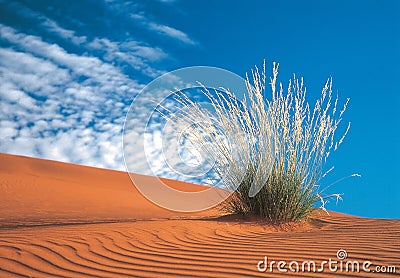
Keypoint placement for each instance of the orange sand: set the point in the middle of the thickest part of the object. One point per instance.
(64, 220)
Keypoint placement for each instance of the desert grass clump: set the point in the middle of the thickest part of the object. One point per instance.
(269, 150)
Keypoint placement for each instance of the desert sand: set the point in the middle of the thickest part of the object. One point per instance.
(65, 220)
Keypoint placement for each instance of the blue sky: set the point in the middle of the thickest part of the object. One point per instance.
(69, 70)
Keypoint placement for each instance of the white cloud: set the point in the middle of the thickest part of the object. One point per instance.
(130, 52)
(52, 26)
(55, 115)
(171, 32)
(18, 70)
(168, 1)
(71, 107)
(163, 29)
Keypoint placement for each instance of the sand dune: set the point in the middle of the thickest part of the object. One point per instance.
(63, 220)
(38, 192)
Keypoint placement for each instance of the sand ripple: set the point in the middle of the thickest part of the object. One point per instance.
(192, 248)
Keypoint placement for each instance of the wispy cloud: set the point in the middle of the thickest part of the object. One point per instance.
(64, 93)
(53, 27)
(130, 52)
(168, 1)
(171, 32)
(163, 29)
(47, 112)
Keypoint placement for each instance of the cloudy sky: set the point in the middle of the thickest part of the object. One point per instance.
(70, 69)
